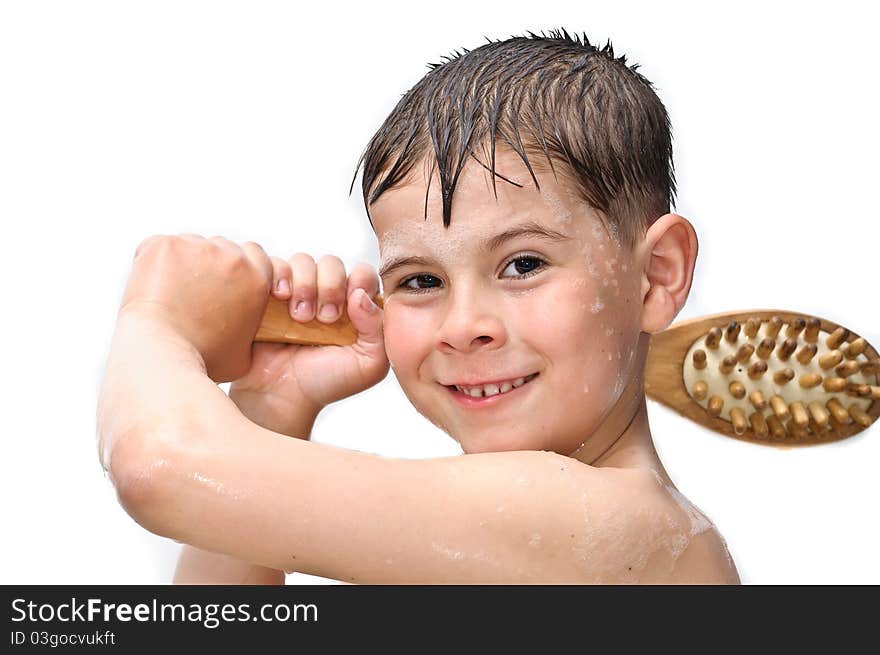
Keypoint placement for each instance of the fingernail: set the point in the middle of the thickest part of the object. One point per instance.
(367, 303)
(303, 308)
(283, 286)
(329, 311)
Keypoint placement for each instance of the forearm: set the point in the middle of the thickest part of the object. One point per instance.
(197, 566)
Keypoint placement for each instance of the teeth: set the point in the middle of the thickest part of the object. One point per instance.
(492, 389)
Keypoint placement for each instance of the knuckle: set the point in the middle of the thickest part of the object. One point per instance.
(301, 258)
(144, 245)
(331, 260)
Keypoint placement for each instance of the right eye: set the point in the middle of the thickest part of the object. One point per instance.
(424, 277)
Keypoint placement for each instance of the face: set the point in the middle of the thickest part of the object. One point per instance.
(564, 306)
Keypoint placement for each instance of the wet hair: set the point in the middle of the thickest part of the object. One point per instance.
(555, 95)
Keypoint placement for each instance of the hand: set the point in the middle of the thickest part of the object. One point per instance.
(290, 375)
(212, 292)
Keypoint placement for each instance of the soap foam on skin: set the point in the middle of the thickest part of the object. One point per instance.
(662, 540)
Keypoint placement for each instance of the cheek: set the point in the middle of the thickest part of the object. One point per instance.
(592, 347)
(407, 337)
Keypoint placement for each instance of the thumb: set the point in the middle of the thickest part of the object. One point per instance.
(366, 316)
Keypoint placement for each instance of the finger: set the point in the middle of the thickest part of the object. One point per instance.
(281, 276)
(331, 288)
(254, 251)
(304, 287)
(367, 318)
(363, 276)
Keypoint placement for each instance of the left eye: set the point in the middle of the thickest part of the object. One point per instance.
(530, 264)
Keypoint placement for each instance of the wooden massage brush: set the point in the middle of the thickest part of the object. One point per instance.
(766, 376)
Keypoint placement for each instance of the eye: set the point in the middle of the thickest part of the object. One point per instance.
(424, 277)
(530, 263)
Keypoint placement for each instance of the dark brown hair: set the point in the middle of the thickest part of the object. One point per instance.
(557, 95)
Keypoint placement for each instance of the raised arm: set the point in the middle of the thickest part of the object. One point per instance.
(207, 476)
(189, 466)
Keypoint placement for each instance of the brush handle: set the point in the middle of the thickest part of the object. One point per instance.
(277, 326)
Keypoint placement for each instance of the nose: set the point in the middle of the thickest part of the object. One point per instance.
(470, 323)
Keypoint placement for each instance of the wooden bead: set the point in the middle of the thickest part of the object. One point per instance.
(833, 385)
(807, 353)
(776, 427)
(786, 349)
(738, 418)
(838, 411)
(699, 359)
(713, 338)
(811, 334)
(794, 328)
(757, 399)
(859, 415)
(700, 390)
(773, 327)
(744, 353)
(819, 414)
(847, 368)
(759, 425)
(856, 389)
(856, 348)
(799, 414)
(751, 327)
(765, 348)
(830, 359)
(715, 406)
(757, 370)
(727, 364)
(737, 390)
(780, 409)
(784, 376)
(731, 334)
(836, 338)
(809, 380)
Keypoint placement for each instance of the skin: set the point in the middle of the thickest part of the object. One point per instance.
(561, 486)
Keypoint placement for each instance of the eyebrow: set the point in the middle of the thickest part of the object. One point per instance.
(529, 229)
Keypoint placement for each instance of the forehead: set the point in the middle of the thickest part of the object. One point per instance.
(399, 214)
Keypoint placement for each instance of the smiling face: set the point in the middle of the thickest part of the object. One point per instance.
(466, 305)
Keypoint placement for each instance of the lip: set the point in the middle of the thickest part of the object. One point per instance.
(487, 401)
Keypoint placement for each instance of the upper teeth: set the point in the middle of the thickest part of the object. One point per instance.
(492, 389)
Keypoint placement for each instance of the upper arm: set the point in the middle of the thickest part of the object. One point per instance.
(291, 505)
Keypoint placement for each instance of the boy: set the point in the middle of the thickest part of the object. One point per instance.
(520, 328)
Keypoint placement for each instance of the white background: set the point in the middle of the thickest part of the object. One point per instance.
(119, 120)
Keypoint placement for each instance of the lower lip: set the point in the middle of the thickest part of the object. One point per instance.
(471, 402)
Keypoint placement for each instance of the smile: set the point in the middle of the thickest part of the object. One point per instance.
(489, 393)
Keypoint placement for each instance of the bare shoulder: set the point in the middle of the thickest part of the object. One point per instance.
(624, 525)
(687, 546)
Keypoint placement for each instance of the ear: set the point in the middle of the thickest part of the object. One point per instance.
(670, 249)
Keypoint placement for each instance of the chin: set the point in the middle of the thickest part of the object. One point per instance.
(474, 444)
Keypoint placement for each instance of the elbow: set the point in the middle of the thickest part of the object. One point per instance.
(141, 467)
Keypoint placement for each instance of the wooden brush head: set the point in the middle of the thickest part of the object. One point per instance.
(767, 376)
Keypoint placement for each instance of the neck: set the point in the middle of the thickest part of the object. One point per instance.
(623, 438)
